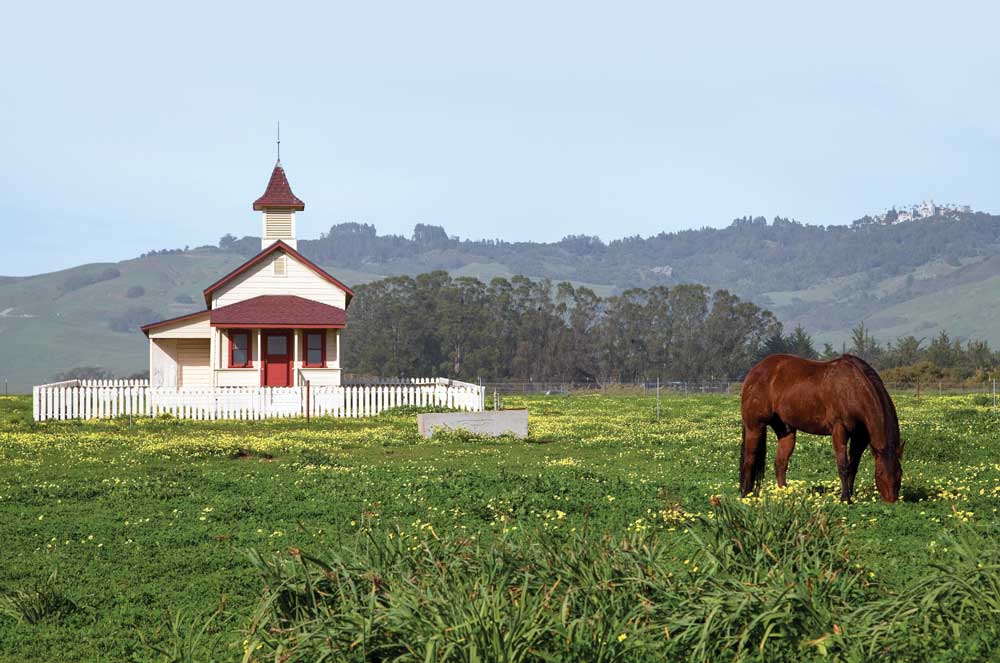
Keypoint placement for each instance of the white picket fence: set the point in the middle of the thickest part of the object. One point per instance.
(109, 383)
(75, 399)
(354, 380)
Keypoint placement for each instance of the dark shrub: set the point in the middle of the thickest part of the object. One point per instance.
(84, 373)
(77, 281)
(133, 318)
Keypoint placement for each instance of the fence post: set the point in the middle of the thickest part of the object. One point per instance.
(657, 398)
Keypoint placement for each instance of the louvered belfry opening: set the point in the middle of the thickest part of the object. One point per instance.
(278, 224)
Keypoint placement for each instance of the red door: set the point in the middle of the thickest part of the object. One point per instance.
(277, 359)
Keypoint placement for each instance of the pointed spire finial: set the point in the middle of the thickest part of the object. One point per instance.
(279, 141)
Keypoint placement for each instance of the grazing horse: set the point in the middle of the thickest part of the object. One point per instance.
(844, 398)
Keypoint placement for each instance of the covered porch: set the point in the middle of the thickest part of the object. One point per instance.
(275, 357)
(266, 341)
(246, 357)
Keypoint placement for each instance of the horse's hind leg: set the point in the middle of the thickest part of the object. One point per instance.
(786, 445)
(843, 462)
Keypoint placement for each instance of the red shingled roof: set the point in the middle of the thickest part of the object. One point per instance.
(279, 312)
(278, 193)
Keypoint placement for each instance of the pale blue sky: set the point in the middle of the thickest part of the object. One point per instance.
(134, 126)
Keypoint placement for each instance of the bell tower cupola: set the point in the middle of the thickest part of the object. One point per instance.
(279, 206)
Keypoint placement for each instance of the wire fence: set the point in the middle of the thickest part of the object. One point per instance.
(685, 387)
(733, 387)
(494, 393)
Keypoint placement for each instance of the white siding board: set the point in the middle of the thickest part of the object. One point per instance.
(238, 377)
(322, 376)
(198, 327)
(163, 362)
(193, 362)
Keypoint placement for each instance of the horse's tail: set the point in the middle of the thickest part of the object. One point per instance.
(756, 478)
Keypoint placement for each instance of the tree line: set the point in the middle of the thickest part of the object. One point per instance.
(524, 329)
(906, 361)
(912, 360)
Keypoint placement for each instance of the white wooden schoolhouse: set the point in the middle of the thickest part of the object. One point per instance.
(274, 321)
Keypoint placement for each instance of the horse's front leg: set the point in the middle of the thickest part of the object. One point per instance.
(840, 436)
(786, 445)
(859, 442)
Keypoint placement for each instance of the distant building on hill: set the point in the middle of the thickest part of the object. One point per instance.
(904, 213)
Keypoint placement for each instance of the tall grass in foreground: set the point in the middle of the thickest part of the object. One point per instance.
(952, 613)
(187, 639)
(38, 602)
(771, 580)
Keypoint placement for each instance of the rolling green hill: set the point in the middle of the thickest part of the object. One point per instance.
(910, 278)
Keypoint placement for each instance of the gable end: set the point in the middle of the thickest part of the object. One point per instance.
(291, 256)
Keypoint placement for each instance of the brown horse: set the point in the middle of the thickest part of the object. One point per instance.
(843, 397)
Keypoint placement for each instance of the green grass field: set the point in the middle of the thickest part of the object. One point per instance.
(607, 536)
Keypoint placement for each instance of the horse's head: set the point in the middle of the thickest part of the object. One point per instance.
(889, 473)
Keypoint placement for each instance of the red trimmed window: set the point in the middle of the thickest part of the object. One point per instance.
(315, 349)
(239, 350)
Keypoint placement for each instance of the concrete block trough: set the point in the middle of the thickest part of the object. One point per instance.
(490, 423)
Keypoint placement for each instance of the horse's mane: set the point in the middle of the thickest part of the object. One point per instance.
(889, 418)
